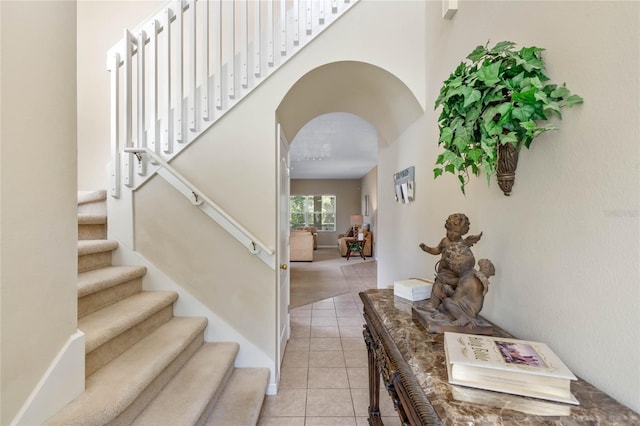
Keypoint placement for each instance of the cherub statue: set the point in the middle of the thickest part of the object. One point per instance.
(464, 305)
(446, 279)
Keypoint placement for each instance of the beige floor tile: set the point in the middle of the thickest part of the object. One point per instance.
(328, 378)
(348, 332)
(288, 402)
(356, 358)
(325, 332)
(295, 359)
(293, 378)
(329, 403)
(325, 344)
(351, 304)
(327, 313)
(281, 421)
(324, 322)
(348, 313)
(326, 359)
(300, 310)
(358, 377)
(300, 321)
(298, 344)
(343, 298)
(392, 421)
(331, 421)
(353, 343)
(323, 305)
(300, 331)
(351, 322)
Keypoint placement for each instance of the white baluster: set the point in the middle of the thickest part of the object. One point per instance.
(179, 73)
(152, 136)
(257, 40)
(114, 69)
(270, 29)
(283, 28)
(204, 54)
(244, 43)
(295, 11)
(321, 12)
(309, 17)
(217, 55)
(334, 6)
(191, 64)
(166, 120)
(228, 32)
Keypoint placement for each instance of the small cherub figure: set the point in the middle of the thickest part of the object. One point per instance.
(464, 305)
(446, 280)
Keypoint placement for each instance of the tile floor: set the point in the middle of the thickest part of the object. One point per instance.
(324, 372)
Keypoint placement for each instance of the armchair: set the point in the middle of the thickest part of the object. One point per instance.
(368, 245)
(301, 246)
(314, 233)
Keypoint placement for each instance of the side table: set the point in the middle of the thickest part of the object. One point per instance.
(355, 246)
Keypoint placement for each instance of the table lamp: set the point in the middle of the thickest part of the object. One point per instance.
(356, 221)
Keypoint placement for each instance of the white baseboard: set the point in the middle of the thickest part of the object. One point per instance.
(62, 382)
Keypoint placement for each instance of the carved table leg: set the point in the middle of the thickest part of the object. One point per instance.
(374, 380)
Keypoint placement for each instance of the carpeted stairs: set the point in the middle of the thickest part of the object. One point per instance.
(144, 366)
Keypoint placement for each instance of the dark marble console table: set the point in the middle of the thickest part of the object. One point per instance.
(412, 365)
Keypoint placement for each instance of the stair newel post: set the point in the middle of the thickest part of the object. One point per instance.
(141, 101)
(127, 162)
(114, 178)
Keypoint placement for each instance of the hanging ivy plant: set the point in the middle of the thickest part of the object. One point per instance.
(498, 96)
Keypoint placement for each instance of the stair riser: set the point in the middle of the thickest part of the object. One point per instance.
(92, 232)
(101, 356)
(128, 415)
(96, 301)
(89, 262)
(96, 207)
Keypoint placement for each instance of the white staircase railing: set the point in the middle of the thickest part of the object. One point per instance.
(176, 74)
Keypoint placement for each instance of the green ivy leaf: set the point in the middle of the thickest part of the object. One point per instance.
(526, 97)
(503, 46)
(450, 168)
(489, 73)
(462, 182)
(475, 154)
(440, 159)
(446, 135)
(560, 92)
(573, 100)
(477, 54)
(437, 172)
(471, 96)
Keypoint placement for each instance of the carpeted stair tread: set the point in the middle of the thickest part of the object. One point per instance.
(107, 323)
(185, 399)
(85, 197)
(95, 246)
(91, 219)
(110, 390)
(90, 282)
(241, 399)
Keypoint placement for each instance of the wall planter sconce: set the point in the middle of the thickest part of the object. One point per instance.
(493, 104)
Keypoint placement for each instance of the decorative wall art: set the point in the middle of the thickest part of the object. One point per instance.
(404, 182)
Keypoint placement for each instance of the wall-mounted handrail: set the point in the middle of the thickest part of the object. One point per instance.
(208, 206)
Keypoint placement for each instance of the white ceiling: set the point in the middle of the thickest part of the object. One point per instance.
(334, 146)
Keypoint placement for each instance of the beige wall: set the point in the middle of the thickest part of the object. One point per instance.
(38, 192)
(347, 192)
(100, 27)
(566, 243)
(369, 185)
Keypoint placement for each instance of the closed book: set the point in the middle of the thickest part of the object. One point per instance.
(413, 289)
(513, 366)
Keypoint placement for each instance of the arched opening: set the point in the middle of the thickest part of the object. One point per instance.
(320, 103)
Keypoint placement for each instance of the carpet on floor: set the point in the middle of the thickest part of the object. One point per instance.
(329, 275)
